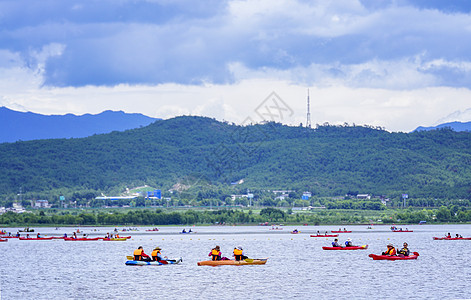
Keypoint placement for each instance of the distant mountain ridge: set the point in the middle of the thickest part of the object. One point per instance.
(456, 126)
(26, 126)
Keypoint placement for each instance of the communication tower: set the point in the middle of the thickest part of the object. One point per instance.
(308, 117)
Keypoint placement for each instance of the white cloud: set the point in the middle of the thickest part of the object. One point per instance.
(393, 65)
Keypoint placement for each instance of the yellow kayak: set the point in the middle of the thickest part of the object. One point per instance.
(116, 239)
(248, 261)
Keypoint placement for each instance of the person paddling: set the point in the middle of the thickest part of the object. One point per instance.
(215, 253)
(404, 251)
(335, 243)
(391, 250)
(140, 255)
(239, 254)
(156, 254)
(348, 243)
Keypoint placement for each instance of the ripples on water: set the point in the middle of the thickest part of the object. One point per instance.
(297, 266)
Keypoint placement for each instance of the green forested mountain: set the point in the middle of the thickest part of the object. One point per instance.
(328, 160)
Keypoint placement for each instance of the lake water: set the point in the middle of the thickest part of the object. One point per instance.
(297, 266)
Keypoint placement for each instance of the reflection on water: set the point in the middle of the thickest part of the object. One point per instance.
(297, 265)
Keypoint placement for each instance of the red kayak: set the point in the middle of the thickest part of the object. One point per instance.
(81, 239)
(341, 231)
(402, 230)
(35, 239)
(3, 240)
(394, 257)
(324, 235)
(346, 248)
(9, 237)
(451, 239)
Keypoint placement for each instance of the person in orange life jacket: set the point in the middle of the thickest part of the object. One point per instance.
(391, 250)
(335, 243)
(215, 253)
(239, 254)
(156, 254)
(140, 255)
(404, 251)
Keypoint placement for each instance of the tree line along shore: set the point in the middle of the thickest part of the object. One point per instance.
(102, 217)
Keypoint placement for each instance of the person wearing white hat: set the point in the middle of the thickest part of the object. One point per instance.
(391, 250)
(349, 243)
(239, 254)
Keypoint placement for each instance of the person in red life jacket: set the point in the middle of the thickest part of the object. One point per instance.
(140, 255)
(239, 254)
(215, 253)
(448, 235)
(391, 250)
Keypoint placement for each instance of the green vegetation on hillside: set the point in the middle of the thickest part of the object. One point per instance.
(200, 157)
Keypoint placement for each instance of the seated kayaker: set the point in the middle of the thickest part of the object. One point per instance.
(140, 255)
(335, 243)
(318, 233)
(404, 251)
(348, 243)
(215, 253)
(156, 254)
(38, 235)
(183, 231)
(391, 250)
(189, 230)
(448, 235)
(239, 254)
(458, 236)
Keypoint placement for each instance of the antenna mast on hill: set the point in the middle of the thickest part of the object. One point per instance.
(308, 119)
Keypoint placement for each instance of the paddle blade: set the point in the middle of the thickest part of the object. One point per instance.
(129, 257)
(249, 260)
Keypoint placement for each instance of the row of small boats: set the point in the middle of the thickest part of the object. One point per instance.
(5, 238)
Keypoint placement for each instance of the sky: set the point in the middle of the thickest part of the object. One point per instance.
(395, 64)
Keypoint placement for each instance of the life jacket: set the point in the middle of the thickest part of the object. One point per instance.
(138, 254)
(335, 244)
(404, 251)
(215, 254)
(154, 254)
(391, 251)
(238, 252)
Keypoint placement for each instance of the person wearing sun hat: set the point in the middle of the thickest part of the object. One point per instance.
(348, 243)
(156, 254)
(391, 250)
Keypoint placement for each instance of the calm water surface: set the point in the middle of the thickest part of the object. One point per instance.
(297, 265)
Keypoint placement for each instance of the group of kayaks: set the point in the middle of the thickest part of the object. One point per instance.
(214, 263)
(5, 238)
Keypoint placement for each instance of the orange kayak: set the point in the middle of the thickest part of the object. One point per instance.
(230, 262)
